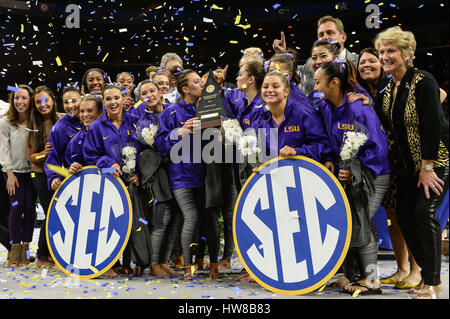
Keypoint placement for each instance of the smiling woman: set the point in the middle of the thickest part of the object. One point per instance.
(16, 171)
(43, 117)
(409, 107)
(93, 81)
(370, 71)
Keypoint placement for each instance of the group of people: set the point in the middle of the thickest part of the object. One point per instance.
(403, 165)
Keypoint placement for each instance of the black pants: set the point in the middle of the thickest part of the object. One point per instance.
(45, 197)
(417, 219)
(4, 214)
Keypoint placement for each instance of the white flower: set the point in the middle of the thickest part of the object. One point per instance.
(248, 145)
(129, 151)
(232, 129)
(148, 134)
(352, 142)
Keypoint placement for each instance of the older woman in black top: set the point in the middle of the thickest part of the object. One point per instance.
(408, 105)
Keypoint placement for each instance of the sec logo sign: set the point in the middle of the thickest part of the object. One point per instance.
(292, 225)
(88, 223)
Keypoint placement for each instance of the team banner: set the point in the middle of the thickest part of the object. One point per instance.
(88, 222)
(292, 225)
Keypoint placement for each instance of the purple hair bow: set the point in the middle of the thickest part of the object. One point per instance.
(338, 60)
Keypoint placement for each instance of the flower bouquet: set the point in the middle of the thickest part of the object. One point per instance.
(128, 166)
(232, 131)
(146, 132)
(248, 147)
(352, 142)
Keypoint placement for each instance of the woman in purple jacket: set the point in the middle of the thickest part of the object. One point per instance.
(335, 81)
(63, 130)
(186, 173)
(91, 108)
(105, 141)
(299, 130)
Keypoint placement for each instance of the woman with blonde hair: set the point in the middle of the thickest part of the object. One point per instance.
(409, 106)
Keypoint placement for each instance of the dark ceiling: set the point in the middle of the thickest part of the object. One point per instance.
(132, 35)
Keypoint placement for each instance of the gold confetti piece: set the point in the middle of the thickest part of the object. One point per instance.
(245, 27)
(322, 288)
(255, 35)
(159, 7)
(216, 7)
(58, 61)
(40, 156)
(105, 57)
(149, 293)
(277, 66)
(139, 229)
(244, 86)
(56, 199)
(389, 222)
(186, 39)
(52, 282)
(64, 172)
(33, 175)
(193, 244)
(233, 41)
(237, 19)
(356, 293)
(21, 28)
(105, 137)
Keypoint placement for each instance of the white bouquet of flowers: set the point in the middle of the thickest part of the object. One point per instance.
(248, 146)
(129, 153)
(353, 140)
(148, 134)
(232, 131)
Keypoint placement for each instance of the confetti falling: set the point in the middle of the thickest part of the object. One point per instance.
(31, 35)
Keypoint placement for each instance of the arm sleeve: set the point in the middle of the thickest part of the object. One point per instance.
(94, 150)
(5, 152)
(374, 153)
(316, 145)
(167, 134)
(53, 158)
(428, 107)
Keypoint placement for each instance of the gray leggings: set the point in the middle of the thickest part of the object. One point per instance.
(192, 204)
(366, 257)
(162, 241)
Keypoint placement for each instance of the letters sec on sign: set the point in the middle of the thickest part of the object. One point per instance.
(88, 222)
(292, 225)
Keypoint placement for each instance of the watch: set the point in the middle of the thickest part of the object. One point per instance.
(427, 167)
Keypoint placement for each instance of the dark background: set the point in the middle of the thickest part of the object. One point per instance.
(156, 27)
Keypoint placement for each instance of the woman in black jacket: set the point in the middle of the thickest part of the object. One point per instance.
(408, 105)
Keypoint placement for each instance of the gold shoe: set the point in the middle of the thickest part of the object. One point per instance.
(390, 280)
(429, 292)
(402, 284)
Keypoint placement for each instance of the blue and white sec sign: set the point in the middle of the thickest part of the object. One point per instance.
(88, 223)
(292, 225)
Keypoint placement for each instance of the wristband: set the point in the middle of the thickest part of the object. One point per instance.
(427, 167)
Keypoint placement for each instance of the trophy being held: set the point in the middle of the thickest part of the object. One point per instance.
(210, 108)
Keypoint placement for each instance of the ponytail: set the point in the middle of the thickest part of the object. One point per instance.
(345, 71)
(182, 78)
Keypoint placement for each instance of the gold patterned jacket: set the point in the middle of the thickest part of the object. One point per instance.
(415, 119)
